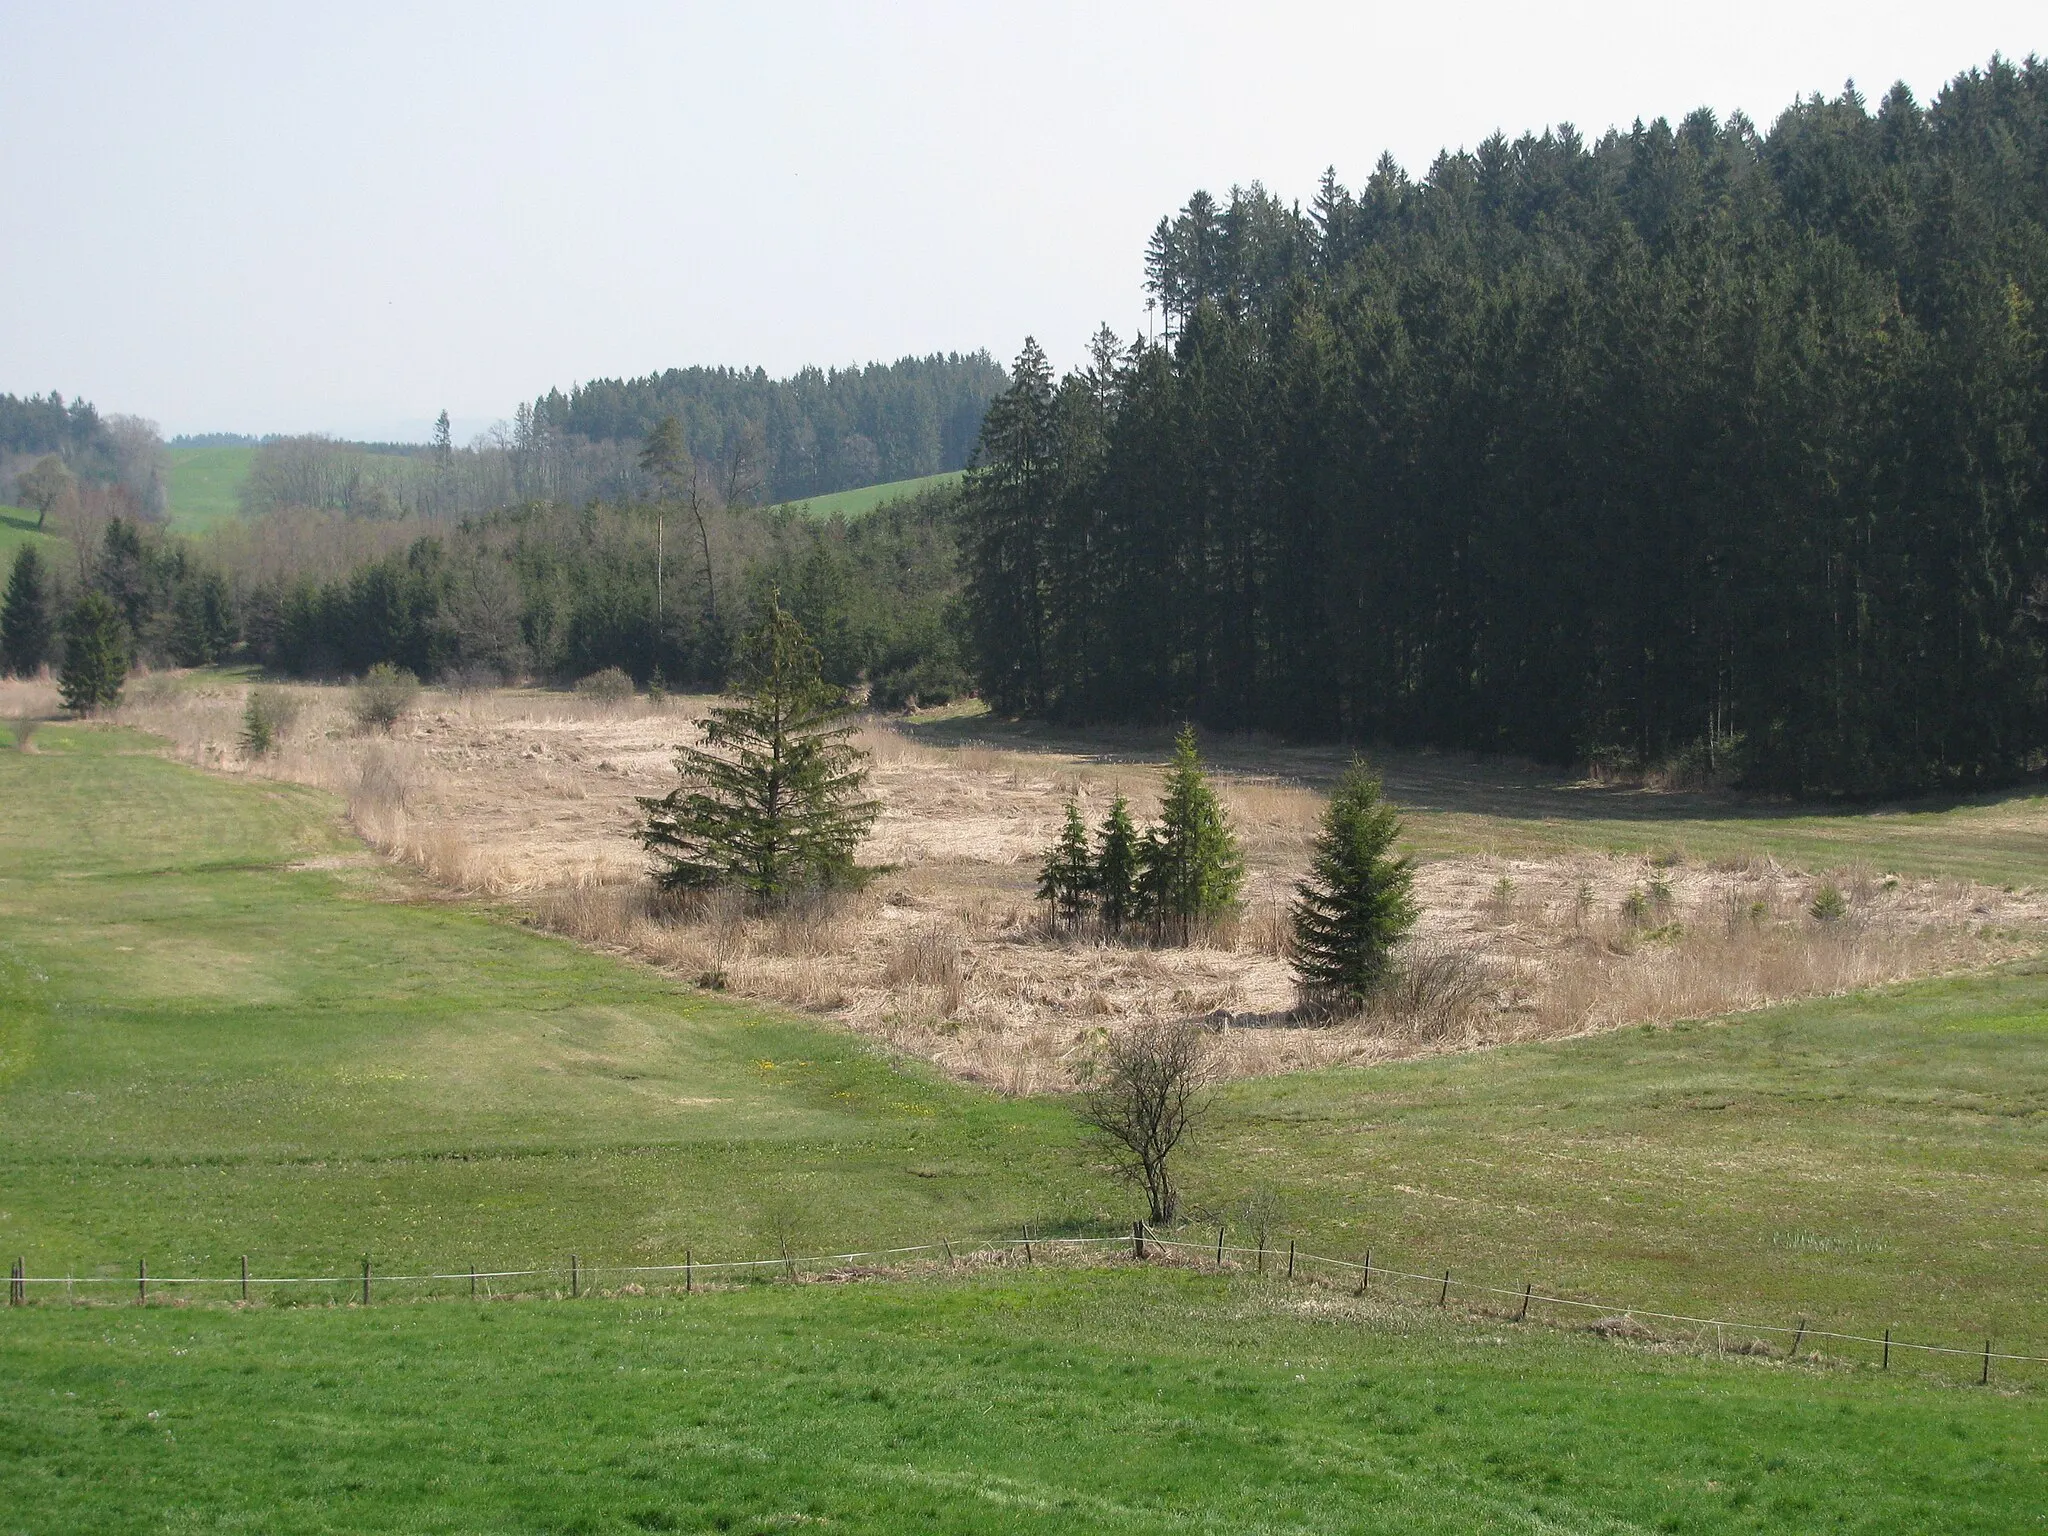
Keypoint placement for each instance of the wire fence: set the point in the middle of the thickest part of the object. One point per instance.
(579, 1278)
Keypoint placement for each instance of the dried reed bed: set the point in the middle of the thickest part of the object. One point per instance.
(530, 797)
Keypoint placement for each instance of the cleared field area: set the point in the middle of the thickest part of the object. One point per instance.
(18, 527)
(228, 1029)
(205, 485)
(866, 498)
(1103, 1400)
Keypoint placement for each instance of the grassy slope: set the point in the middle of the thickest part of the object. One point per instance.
(18, 527)
(205, 485)
(205, 1052)
(868, 497)
(1126, 1401)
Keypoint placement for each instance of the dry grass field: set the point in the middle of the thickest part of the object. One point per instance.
(1539, 920)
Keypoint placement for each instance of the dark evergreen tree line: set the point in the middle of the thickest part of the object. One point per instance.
(1691, 442)
(818, 431)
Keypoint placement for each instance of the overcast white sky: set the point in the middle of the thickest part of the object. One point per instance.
(343, 218)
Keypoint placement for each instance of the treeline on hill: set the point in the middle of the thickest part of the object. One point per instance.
(751, 439)
(818, 431)
(539, 591)
(55, 451)
(1694, 443)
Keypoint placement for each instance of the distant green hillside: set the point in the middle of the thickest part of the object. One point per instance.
(18, 527)
(205, 485)
(868, 497)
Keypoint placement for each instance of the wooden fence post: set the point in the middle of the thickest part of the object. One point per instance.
(1219, 1245)
(1985, 1379)
(472, 1282)
(17, 1283)
(1443, 1296)
(1137, 1239)
(689, 1271)
(1290, 1258)
(1028, 1259)
(245, 1277)
(1527, 1287)
(1887, 1363)
(1365, 1274)
(574, 1288)
(366, 1279)
(142, 1282)
(1793, 1352)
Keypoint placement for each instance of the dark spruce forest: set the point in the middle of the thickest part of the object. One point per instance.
(1687, 442)
(1694, 446)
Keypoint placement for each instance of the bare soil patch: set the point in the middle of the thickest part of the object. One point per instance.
(529, 797)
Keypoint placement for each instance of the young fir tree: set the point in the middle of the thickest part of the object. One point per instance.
(1357, 901)
(25, 631)
(1190, 866)
(772, 803)
(1066, 880)
(1116, 867)
(95, 654)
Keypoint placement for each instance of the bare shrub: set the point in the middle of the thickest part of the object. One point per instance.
(806, 927)
(1144, 1094)
(931, 956)
(266, 716)
(473, 678)
(1436, 992)
(25, 727)
(607, 689)
(384, 697)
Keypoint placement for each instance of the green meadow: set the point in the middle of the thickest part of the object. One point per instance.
(18, 527)
(1041, 1400)
(204, 485)
(226, 1031)
(864, 499)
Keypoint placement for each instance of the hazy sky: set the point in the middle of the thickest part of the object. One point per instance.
(343, 218)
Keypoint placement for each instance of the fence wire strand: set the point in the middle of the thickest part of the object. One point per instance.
(1448, 1282)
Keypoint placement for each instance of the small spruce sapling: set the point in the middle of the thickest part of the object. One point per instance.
(1191, 868)
(1357, 901)
(1116, 867)
(95, 655)
(1066, 879)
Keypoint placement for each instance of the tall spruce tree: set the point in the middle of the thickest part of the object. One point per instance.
(25, 628)
(1066, 877)
(95, 654)
(1357, 900)
(1116, 867)
(773, 803)
(1191, 869)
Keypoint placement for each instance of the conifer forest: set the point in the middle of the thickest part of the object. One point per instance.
(1699, 442)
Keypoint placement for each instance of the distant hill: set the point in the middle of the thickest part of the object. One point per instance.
(204, 485)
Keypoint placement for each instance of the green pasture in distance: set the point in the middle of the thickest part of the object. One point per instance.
(866, 498)
(205, 485)
(225, 1030)
(1119, 1399)
(18, 527)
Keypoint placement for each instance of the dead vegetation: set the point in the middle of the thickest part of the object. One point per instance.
(529, 797)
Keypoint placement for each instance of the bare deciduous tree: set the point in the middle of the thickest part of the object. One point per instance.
(1144, 1096)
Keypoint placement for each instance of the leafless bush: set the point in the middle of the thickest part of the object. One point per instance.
(607, 689)
(25, 727)
(808, 927)
(1144, 1094)
(931, 956)
(385, 696)
(1435, 993)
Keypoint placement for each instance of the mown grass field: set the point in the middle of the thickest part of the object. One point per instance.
(866, 498)
(223, 1031)
(1115, 1400)
(18, 527)
(210, 1050)
(205, 485)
